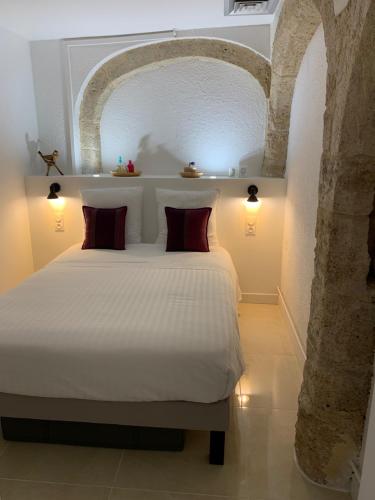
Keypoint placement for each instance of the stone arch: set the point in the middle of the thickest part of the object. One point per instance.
(112, 73)
(289, 47)
(341, 339)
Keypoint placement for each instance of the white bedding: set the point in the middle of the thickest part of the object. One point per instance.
(137, 325)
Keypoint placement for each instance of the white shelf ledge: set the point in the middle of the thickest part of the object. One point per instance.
(161, 177)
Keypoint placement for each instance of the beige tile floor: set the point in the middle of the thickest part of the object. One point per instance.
(259, 455)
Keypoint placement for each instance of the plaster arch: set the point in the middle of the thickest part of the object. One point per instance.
(289, 47)
(112, 73)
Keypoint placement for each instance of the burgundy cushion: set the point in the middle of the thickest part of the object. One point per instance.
(187, 229)
(105, 228)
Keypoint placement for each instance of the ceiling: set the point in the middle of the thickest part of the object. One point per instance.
(55, 19)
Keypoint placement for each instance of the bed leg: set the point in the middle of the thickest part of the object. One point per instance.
(217, 446)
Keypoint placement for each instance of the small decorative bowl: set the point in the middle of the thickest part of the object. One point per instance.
(191, 175)
(125, 174)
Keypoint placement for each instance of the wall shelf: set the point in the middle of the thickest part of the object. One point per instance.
(154, 177)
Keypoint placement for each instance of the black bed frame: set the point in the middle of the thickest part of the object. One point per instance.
(105, 435)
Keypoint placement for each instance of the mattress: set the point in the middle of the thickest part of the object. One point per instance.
(134, 325)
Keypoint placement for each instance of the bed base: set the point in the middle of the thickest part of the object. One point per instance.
(217, 447)
(22, 412)
(86, 434)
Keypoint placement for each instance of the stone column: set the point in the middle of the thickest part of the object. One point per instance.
(341, 334)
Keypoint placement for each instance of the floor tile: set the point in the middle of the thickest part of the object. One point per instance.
(273, 474)
(3, 445)
(26, 490)
(263, 330)
(259, 454)
(69, 464)
(2, 442)
(189, 471)
(270, 382)
(123, 494)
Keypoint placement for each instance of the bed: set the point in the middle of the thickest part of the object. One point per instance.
(138, 337)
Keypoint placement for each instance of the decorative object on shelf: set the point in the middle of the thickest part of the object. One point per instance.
(191, 172)
(243, 172)
(123, 171)
(120, 169)
(125, 174)
(50, 161)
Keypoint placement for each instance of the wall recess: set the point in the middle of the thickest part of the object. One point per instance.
(249, 7)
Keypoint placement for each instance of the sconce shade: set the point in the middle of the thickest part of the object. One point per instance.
(253, 191)
(53, 190)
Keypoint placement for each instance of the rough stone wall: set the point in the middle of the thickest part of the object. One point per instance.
(112, 73)
(289, 48)
(341, 337)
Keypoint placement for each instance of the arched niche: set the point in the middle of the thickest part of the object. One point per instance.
(186, 109)
(112, 73)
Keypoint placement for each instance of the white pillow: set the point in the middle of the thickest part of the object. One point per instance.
(186, 199)
(119, 197)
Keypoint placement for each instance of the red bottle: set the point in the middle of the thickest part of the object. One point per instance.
(131, 167)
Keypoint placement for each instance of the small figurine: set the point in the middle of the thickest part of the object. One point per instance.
(120, 166)
(125, 171)
(191, 171)
(50, 161)
(191, 168)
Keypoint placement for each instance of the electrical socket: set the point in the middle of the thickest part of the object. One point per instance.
(251, 229)
(59, 224)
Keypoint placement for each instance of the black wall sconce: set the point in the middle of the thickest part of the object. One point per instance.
(53, 190)
(252, 205)
(253, 191)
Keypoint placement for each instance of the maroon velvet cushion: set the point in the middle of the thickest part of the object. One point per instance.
(105, 228)
(187, 229)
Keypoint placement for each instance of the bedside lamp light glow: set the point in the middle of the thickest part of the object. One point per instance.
(57, 204)
(252, 206)
(54, 200)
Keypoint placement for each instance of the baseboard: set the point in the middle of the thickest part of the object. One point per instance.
(293, 333)
(260, 298)
(311, 481)
(301, 358)
(355, 482)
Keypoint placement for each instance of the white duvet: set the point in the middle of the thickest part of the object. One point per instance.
(134, 325)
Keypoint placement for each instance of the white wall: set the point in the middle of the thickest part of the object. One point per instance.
(257, 258)
(50, 102)
(17, 140)
(198, 110)
(275, 22)
(303, 167)
(60, 68)
(37, 20)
